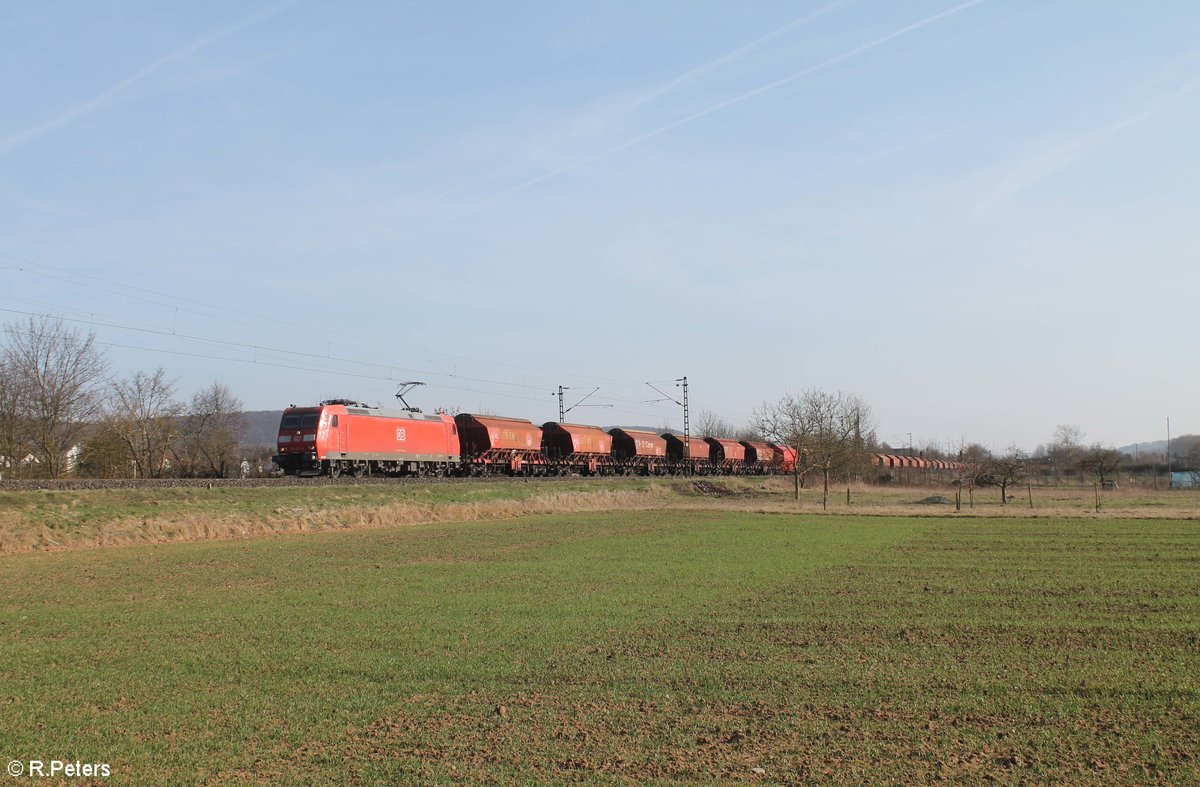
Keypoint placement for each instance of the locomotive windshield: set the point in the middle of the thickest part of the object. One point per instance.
(299, 420)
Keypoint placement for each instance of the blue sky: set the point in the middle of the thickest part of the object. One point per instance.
(978, 216)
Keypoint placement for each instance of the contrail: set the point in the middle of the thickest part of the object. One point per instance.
(647, 97)
(649, 135)
(1033, 170)
(734, 54)
(100, 99)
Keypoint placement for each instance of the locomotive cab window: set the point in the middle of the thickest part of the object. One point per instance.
(299, 420)
(333, 423)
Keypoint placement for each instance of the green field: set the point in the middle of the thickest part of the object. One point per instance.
(628, 646)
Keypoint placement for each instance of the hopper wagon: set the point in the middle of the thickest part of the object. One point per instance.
(727, 457)
(493, 444)
(575, 448)
(641, 453)
(689, 455)
(760, 457)
(785, 458)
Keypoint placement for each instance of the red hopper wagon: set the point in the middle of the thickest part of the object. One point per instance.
(759, 457)
(727, 456)
(491, 443)
(576, 448)
(640, 452)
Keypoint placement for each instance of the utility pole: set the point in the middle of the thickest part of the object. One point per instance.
(680, 382)
(687, 429)
(1170, 478)
(561, 413)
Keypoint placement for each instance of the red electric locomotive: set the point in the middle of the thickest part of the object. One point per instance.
(341, 436)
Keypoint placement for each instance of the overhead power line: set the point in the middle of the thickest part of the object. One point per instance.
(261, 322)
(322, 370)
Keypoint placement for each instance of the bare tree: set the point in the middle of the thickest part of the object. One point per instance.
(1066, 449)
(104, 455)
(787, 424)
(709, 424)
(749, 432)
(1006, 470)
(828, 431)
(932, 449)
(213, 431)
(13, 446)
(973, 462)
(1101, 462)
(144, 415)
(61, 376)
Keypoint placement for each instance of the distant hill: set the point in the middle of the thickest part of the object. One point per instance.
(1152, 447)
(262, 427)
(1181, 446)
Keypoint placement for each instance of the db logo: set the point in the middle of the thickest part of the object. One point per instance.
(400, 436)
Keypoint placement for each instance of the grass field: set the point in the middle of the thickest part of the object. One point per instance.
(618, 646)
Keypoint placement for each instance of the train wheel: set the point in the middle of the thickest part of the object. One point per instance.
(335, 469)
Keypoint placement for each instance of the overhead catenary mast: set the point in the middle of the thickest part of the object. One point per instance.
(680, 382)
(562, 413)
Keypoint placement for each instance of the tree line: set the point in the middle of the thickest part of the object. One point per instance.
(833, 435)
(62, 412)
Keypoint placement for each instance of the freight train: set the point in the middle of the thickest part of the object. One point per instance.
(340, 436)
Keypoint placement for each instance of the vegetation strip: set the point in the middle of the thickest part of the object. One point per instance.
(34, 520)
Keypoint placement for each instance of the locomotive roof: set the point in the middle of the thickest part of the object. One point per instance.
(380, 412)
(482, 418)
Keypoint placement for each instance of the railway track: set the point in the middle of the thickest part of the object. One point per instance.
(78, 484)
